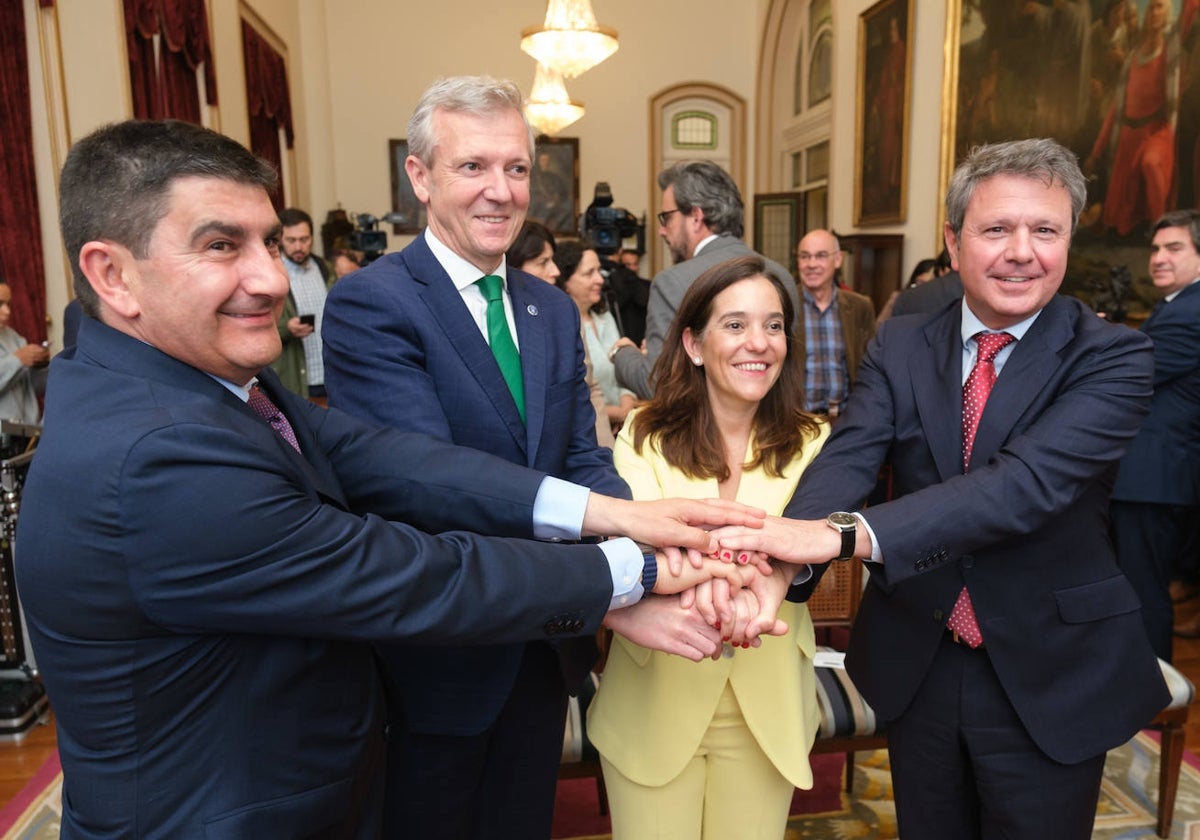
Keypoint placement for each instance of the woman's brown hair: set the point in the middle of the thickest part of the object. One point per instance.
(680, 415)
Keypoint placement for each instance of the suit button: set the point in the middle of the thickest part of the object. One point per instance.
(576, 626)
(551, 628)
(939, 616)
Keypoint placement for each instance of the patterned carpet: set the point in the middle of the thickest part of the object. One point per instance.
(1126, 810)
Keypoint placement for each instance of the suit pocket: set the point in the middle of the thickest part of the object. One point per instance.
(637, 653)
(1094, 601)
(312, 815)
(560, 393)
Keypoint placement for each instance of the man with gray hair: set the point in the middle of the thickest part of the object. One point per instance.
(701, 222)
(447, 339)
(997, 636)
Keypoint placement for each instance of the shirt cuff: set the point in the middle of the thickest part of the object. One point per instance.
(626, 563)
(876, 554)
(558, 509)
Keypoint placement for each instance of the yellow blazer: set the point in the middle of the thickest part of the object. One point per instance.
(652, 709)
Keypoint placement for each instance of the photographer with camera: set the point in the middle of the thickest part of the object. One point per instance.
(300, 366)
(701, 222)
(624, 292)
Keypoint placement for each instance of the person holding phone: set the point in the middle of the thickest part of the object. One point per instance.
(300, 365)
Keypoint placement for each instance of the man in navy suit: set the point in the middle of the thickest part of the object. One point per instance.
(206, 557)
(1156, 498)
(999, 726)
(475, 731)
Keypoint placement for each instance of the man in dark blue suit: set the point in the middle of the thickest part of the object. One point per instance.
(206, 557)
(1156, 498)
(476, 732)
(997, 635)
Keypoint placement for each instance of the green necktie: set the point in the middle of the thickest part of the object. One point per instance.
(501, 339)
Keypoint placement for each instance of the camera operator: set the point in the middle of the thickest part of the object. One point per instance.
(624, 293)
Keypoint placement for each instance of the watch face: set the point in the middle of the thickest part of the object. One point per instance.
(842, 519)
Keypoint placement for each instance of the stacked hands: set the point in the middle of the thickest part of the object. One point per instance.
(725, 571)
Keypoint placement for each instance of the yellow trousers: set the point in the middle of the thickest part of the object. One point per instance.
(729, 790)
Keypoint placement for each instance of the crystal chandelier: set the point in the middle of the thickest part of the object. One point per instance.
(569, 41)
(549, 107)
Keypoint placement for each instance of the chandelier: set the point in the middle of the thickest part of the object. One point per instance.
(569, 41)
(549, 106)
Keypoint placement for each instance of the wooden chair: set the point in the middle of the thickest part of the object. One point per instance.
(847, 723)
(1170, 723)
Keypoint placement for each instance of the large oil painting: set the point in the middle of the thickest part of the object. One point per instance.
(881, 174)
(1116, 81)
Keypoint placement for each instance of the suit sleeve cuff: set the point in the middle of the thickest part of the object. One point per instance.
(627, 565)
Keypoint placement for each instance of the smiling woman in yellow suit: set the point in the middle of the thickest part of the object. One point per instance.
(712, 750)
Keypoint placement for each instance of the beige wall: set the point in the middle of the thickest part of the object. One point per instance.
(382, 56)
(356, 68)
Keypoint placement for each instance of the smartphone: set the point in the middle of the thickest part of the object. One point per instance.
(309, 319)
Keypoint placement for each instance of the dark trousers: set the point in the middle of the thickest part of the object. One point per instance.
(1150, 541)
(964, 767)
(497, 785)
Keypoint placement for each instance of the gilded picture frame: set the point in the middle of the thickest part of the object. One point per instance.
(1116, 83)
(882, 113)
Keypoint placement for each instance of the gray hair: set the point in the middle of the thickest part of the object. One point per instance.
(482, 96)
(707, 186)
(1044, 159)
(1189, 219)
(116, 184)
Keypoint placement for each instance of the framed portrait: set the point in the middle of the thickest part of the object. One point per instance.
(408, 210)
(884, 79)
(1116, 84)
(554, 184)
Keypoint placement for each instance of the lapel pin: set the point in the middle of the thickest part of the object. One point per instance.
(532, 310)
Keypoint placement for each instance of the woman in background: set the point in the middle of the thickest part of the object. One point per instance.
(580, 277)
(713, 749)
(533, 252)
(922, 272)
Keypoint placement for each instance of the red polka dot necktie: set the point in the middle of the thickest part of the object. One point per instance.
(975, 395)
(267, 410)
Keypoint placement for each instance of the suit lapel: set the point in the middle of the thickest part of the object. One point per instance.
(532, 337)
(311, 457)
(448, 311)
(937, 392)
(1026, 371)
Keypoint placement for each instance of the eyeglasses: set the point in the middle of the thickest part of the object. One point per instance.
(820, 256)
(665, 215)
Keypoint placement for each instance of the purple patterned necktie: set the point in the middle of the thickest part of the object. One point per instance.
(975, 395)
(270, 412)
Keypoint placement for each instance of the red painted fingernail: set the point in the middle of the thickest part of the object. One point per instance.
(726, 555)
(743, 559)
(724, 638)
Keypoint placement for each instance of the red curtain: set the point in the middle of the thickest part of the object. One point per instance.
(167, 87)
(21, 260)
(269, 101)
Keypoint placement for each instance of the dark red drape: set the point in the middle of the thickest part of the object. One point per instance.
(269, 101)
(167, 87)
(21, 261)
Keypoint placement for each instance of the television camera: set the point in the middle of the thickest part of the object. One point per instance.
(606, 227)
(368, 239)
